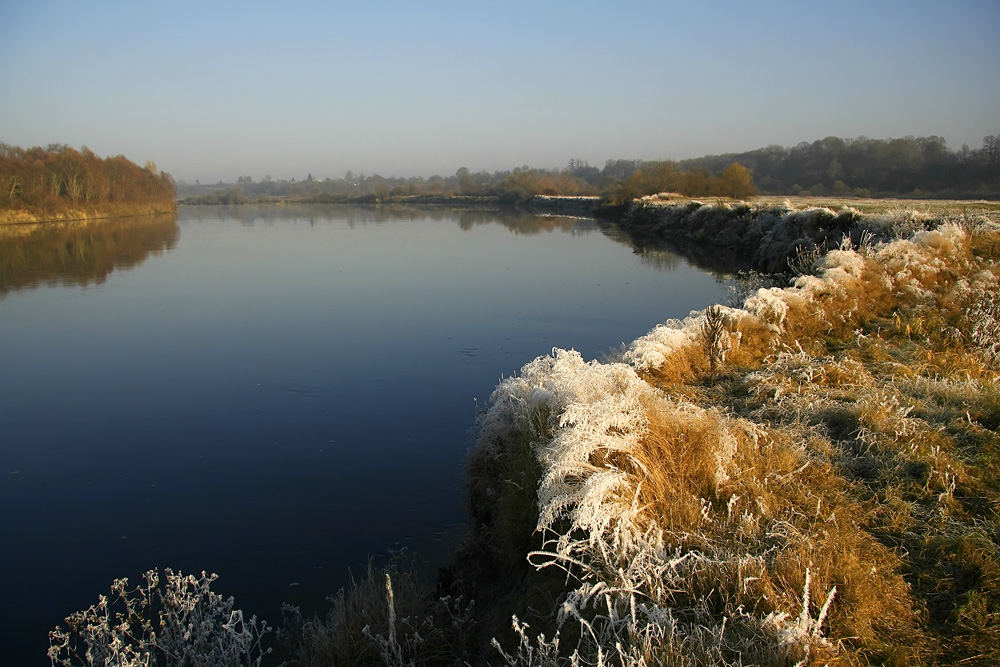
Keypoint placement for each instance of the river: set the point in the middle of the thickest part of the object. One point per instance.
(276, 393)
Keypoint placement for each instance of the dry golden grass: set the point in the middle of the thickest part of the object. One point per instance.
(783, 511)
(933, 207)
(811, 478)
(879, 470)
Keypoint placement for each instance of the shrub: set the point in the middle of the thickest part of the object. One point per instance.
(182, 623)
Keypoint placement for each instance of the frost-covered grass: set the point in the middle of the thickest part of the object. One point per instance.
(182, 622)
(775, 235)
(809, 477)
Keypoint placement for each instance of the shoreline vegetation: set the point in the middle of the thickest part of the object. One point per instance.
(808, 474)
(10, 218)
(58, 183)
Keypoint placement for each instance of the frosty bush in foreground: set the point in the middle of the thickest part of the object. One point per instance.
(182, 623)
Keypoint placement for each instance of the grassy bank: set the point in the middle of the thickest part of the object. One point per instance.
(75, 212)
(809, 474)
(777, 235)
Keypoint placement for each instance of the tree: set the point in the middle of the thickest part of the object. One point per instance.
(735, 181)
(56, 176)
(991, 149)
(696, 182)
(466, 184)
(661, 176)
(619, 169)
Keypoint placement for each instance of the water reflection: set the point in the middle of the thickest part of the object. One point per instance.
(656, 253)
(726, 261)
(519, 222)
(86, 252)
(80, 252)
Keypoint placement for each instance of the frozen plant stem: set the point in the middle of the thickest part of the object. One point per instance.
(715, 338)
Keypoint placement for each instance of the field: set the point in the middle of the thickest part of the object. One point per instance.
(935, 207)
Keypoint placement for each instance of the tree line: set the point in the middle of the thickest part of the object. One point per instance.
(58, 177)
(861, 167)
(619, 181)
(908, 167)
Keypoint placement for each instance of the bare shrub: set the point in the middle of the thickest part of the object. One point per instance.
(716, 338)
(805, 257)
(747, 283)
(181, 623)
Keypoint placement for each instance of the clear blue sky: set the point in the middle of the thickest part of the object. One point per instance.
(216, 90)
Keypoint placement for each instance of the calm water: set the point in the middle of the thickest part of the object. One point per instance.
(273, 394)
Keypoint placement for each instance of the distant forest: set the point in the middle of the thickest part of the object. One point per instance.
(907, 167)
(918, 167)
(57, 178)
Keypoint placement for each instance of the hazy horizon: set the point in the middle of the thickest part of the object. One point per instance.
(214, 91)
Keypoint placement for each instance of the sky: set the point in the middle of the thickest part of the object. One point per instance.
(212, 91)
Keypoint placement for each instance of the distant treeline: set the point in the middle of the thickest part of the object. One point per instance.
(58, 178)
(862, 167)
(910, 166)
(511, 187)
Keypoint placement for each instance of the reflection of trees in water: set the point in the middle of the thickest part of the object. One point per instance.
(666, 253)
(657, 253)
(519, 222)
(661, 260)
(669, 254)
(81, 253)
(252, 214)
(524, 223)
(651, 252)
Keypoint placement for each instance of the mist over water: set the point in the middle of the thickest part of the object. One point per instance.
(276, 393)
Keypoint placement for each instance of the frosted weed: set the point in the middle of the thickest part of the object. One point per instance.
(182, 622)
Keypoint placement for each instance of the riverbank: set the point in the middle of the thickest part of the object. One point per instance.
(775, 235)
(808, 475)
(26, 215)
